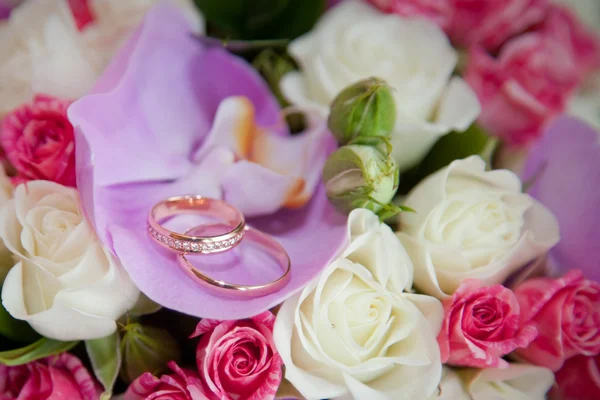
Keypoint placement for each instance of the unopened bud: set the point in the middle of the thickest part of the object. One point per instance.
(364, 109)
(358, 176)
(146, 349)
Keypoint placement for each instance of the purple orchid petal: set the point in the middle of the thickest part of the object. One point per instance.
(154, 65)
(565, 166)
(4, 12)
(143, 135)
(6, 6)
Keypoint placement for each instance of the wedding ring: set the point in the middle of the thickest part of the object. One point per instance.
(227, 214)
(270, 245)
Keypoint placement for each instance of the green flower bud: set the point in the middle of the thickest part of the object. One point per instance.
(146, 349)
(364, 109)
(358, 176)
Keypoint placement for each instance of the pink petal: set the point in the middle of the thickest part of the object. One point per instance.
(138, 131)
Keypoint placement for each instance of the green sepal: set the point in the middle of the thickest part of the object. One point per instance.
(105, 356)
(44, 347)
(380, 142)
(146, 349)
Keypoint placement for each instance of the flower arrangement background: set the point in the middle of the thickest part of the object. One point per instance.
(430, 167)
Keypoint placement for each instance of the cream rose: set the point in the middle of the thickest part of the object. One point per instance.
(6, 192)
(42, 50)
(355, 41)
(356, 332)
(65, 284)
(450, 387)
(472, 223)
(517, 382)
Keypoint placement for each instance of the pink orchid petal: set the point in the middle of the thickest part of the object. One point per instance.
(569, 149)
(137, 133)
(244, 180)
(284, 169)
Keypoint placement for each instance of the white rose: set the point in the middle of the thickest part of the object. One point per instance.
(354, 41)
(354, 332)
(472, 223)
(65, 284)
(450, 387)
(517, 382)
(42, 50)
(6, 192)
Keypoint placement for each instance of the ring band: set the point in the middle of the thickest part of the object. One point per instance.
(273, 248)
(196, 205)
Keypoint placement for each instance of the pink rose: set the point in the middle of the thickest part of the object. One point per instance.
(489, 23)
(578, 379)
(52, 378)
(482, 324)
(82, 13)
(238, 359)
(182, 384)
(564, 26)
(527, 85)
(485, 23)
(439, 11)
(566, 312)
(38, 140)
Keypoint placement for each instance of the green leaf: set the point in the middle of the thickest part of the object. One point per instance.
(105, 356)
(17, 330)
(298, 18)
(453, 146)
(42, 348)
(260, 19)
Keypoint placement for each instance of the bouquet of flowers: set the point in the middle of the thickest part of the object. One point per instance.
(300, 199)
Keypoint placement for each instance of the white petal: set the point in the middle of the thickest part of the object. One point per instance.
(517, 382)
(59, 321)
(375, 246)
(311, 386)
(426, 278)
(404, 382)
(431, 308)
(294, 87)
(458, 107)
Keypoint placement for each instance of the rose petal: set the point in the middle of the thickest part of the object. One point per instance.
(60, 320)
